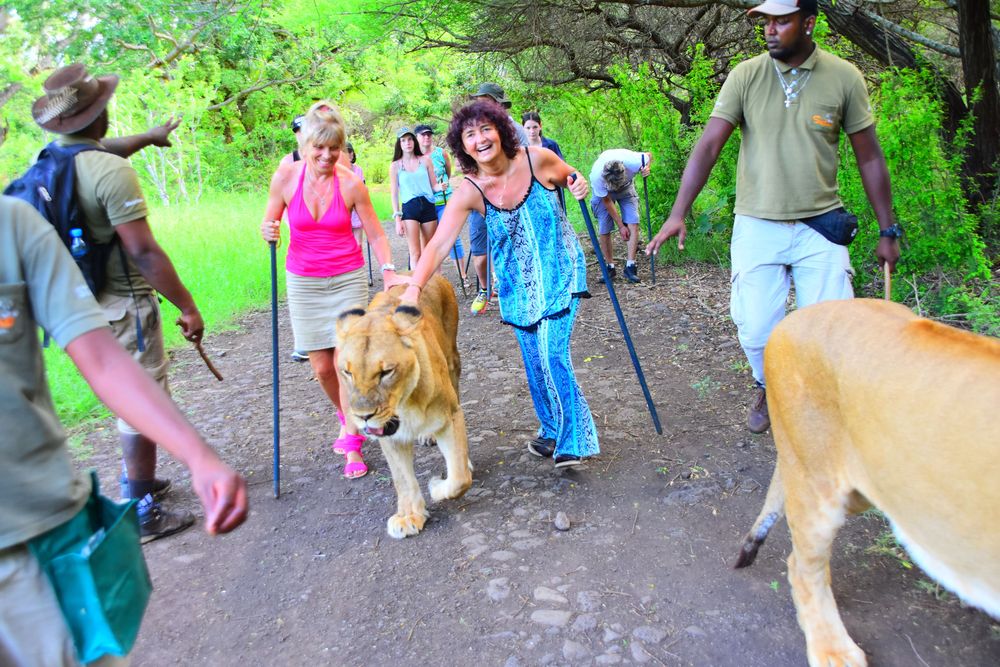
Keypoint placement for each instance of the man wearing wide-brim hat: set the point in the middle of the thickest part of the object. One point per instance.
(74, 107)
(791, 105)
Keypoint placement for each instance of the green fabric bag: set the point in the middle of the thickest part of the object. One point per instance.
(97, 569)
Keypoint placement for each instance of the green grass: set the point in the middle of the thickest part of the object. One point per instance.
(216, 248)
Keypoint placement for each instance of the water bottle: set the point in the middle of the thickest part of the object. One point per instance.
(77, 246)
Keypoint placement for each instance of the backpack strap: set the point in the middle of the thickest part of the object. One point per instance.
(74, 150)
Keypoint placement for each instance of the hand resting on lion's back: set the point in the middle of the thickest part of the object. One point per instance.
(873, 406)
(401, 367)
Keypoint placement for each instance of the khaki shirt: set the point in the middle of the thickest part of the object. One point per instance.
(108, 191)
(40, 284)
(788, 160)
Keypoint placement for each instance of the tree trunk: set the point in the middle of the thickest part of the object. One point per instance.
(975, 40)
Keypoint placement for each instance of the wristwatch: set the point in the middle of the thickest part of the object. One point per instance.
(388, 267)
(893, 231)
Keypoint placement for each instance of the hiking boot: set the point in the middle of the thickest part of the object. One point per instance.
(161, 487)
(479, 303)
(759, 420)
(630, 273)
(611, 273)
(543, 447)
(568, 461)
(156, 522)
(298, 355)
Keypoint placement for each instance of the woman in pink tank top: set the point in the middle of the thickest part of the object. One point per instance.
(324, 268)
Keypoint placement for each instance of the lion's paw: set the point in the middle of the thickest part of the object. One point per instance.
(405, 525)
(444, 489)
(837, 656)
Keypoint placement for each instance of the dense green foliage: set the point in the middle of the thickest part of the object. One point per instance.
(239, 71)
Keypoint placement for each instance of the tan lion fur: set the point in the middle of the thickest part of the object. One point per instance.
(402, 364)
(870, 404)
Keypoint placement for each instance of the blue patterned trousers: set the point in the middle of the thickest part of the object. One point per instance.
(558, 399)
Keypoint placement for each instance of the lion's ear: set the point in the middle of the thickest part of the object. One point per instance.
(346, 319)
(406, 318)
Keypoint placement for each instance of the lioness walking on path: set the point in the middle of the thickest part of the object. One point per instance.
(541, 271)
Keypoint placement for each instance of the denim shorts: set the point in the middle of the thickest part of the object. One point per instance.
(628, 204)
(478, 238)
(420, 209)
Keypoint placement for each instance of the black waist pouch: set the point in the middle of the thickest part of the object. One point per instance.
(837, 226)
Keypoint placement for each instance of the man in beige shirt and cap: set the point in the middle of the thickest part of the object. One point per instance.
(791, 104)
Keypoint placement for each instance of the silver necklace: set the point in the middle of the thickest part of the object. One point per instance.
(503, 193)
(321, 196)
(791, 88)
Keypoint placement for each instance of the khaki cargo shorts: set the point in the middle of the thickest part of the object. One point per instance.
(123, 312)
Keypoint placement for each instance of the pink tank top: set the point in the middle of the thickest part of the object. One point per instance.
(324, 247)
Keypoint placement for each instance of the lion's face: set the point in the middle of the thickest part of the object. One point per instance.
(377, 365)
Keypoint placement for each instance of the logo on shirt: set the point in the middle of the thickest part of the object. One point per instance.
(132, 202)
(8, 317)
(823, 120)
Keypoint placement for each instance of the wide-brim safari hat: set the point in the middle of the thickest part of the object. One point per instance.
(73, 99)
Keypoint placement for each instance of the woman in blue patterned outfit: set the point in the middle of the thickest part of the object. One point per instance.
(540, 267)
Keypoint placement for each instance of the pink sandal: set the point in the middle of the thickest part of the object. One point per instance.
(337, 449)
(347, 444)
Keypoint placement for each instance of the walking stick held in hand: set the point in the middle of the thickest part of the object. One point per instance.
(371, 280)
(887, 272)
(204, 357)
(274, 368)
(618, 313)
(649, 226)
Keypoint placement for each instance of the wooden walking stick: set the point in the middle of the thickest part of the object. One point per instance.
(208, 362)
(887, 272)
(619, 314)
(201, 353)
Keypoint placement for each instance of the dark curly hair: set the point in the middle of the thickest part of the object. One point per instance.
(477, 112)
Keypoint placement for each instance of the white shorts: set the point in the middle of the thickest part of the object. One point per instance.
(766, 256)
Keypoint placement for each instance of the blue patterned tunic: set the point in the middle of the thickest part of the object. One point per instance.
(538, 260)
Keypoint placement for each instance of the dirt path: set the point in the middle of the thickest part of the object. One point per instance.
(643, 575)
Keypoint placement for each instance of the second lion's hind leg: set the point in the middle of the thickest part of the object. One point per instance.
(769, 515)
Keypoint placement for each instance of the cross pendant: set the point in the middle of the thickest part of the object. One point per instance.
(788, 103)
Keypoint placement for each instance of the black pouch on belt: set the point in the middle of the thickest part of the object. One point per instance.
(837, 226)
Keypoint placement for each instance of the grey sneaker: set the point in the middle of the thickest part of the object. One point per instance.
(759, 420)
(156, 522)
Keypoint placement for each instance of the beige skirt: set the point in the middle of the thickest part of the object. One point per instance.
(315, 303)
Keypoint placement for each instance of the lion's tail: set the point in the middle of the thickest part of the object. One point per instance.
(773, 510)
